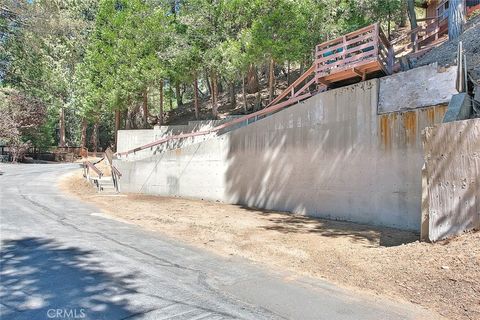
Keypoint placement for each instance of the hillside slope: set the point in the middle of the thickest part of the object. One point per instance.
(446, 54)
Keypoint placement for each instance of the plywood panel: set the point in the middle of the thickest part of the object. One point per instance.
(452, 160)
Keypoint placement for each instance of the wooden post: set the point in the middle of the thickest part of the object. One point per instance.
(415, 41)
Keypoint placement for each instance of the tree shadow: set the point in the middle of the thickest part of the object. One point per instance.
(39, 274)
(331, 157)
(374, 236)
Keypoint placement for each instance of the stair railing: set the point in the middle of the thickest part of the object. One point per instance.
(87, 166)
(274, 106)
(420, 35)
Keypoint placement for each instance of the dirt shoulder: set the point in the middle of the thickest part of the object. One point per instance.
(443, 277)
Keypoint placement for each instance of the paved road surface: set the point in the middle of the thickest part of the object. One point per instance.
(62, 259)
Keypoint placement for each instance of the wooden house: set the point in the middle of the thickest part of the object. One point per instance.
(439, 8)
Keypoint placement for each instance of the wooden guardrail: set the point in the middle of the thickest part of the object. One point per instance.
(353, 49)
(422, 36)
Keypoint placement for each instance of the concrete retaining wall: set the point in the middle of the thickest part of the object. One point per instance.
(331, 156)
(452, 189)
(130, 139)
(416, 88)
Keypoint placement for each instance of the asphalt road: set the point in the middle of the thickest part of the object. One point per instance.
(63, 259)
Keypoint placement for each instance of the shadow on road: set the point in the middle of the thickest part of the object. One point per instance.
(38, 275)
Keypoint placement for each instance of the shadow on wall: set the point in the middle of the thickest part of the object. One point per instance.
(298, 160)
(39, 274)
(453, 174)
(144, 136)
(325, 158)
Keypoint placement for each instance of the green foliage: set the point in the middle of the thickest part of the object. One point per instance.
(94, 57)
(21, 117)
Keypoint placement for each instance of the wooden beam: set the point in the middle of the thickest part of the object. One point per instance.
(359, 73)
(323, 81)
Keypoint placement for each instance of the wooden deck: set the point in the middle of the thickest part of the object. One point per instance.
(354, 55)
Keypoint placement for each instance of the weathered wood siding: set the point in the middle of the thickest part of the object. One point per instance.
(452, 189)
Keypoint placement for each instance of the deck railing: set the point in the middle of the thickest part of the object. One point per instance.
(433, 29)
(352, 49)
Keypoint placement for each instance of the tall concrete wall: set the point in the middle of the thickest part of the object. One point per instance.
(331, 156)
(130, 139)
(452, 189)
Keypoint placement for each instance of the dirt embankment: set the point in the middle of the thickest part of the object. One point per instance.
(446, 54)
(444, 277)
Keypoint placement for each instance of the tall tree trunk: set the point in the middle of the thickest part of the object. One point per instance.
(209, 86)
(412, 16)
(245, 107)
(145, 109)
(195, 96)
(214, 95)
(83, 137)
(403, 17)
(271, 80)
(61, 141)
(233, 95)
(117, 126)
(178, 94)
(252, 80)
(413, 22)
(302, 67)
(170, 96)
(456, 18)
(160, 111)
(288, 73)
(219, 85)
(128, 121)
(95, 136)
(258, 96)
(389, 27)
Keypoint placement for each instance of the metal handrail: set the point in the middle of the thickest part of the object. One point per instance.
(115, 171)
(89, 165)
(273, 106)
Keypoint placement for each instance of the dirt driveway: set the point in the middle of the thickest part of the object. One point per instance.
(443, 276)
